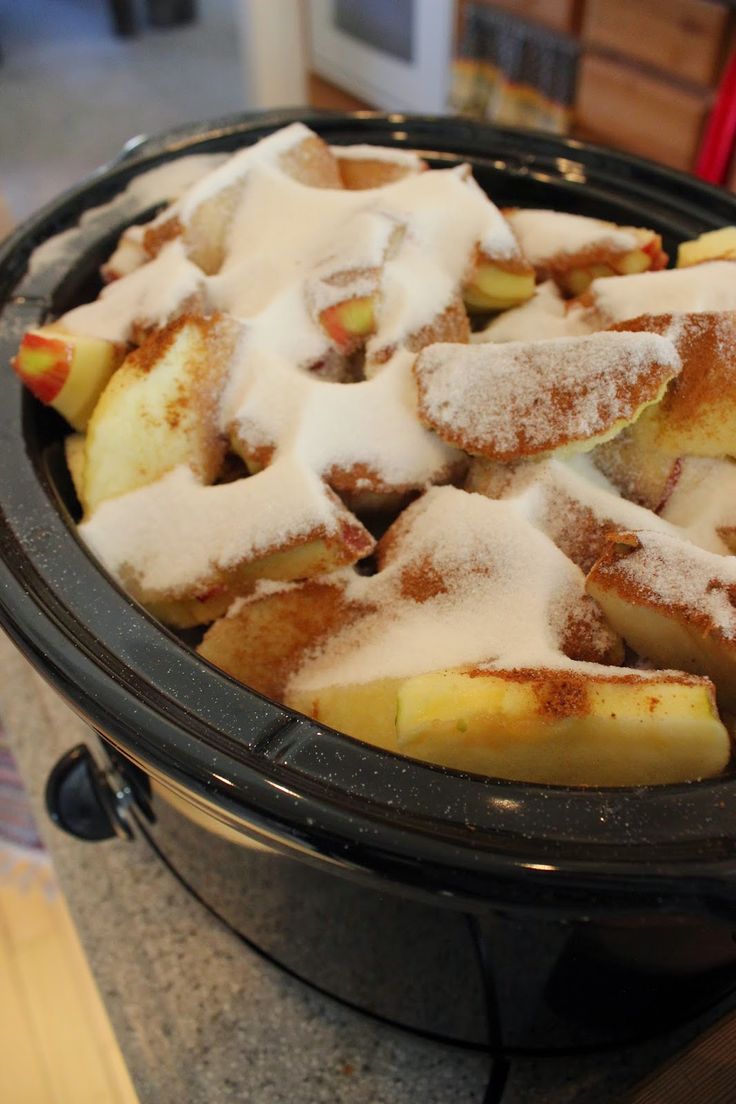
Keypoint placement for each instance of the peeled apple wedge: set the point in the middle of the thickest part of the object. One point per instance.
(577, 280)
(66, 371)
(74, 446)
(633, 460)
(673, 603)
(494, 288)
(185, 549)
(266, 636)
(712, 246)
(159, 410)
(366, 710)
(564, 727)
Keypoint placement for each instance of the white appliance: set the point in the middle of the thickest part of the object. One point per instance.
(393, 53)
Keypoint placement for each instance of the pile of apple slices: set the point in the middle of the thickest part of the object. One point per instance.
(254, 396)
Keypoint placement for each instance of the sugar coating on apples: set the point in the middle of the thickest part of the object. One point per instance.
(145, 299)
(404, 249)
(707, 287)
(507, 401)
(346, 276)
(662, 569)
(462, 579)
(571, 501)
(162, 537)
(544, 236)
(443, 215)
(545, 315)
(362, 436)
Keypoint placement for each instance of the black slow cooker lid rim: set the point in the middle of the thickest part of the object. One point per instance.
(711, 843)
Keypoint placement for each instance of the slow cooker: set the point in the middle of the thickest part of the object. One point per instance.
(497, 915)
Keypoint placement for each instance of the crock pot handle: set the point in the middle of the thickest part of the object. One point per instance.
(86, 801)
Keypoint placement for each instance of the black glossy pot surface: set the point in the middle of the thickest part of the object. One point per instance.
(270, 773)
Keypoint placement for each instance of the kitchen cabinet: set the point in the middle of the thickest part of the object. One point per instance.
(647, 71)
(634, 110)
(683, 39)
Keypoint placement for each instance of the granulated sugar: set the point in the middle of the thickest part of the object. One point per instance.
(523, 398)
(463, 580)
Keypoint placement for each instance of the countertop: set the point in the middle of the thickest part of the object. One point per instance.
(203, 1020)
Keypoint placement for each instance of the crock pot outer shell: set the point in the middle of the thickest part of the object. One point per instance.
(251, 762)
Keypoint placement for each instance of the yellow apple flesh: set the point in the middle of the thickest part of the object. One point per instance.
(563, 727)
(159, 410)
(366, 710)
(682, 633)
(493, 288)
(347, 322)
(711, 246)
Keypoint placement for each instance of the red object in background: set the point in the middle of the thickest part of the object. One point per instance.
(718, 142)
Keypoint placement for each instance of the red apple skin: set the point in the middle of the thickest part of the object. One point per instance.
(653, 249)
(67, 371)
(43, 364)
(332, 323)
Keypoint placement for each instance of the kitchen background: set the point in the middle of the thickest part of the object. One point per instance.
(80, 77)
(637, 74)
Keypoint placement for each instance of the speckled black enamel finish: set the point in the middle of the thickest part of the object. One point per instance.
(373, 816)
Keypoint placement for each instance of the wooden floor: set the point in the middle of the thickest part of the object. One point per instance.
(56, 1043)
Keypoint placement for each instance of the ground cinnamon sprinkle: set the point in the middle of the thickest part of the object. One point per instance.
(520, 399)
(564, 696)
(673, 576)
(706, 344)
(421, 581)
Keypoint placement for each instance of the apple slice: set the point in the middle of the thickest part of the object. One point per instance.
(185, 550)
(634, 462)
(366, 166)
(67, 371)
(574, 250)
(577, 280)
(127, 257)
(265, 637)
(707, 287)
(350, 321)
(74, 448)
(204, 214)
(460, 578)
(495, 287)
(673, 603)
(697, 416)
(519, 399)
(574, 726)
(343, 289)
(160, 410)
(714, 245)
(365, 710)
